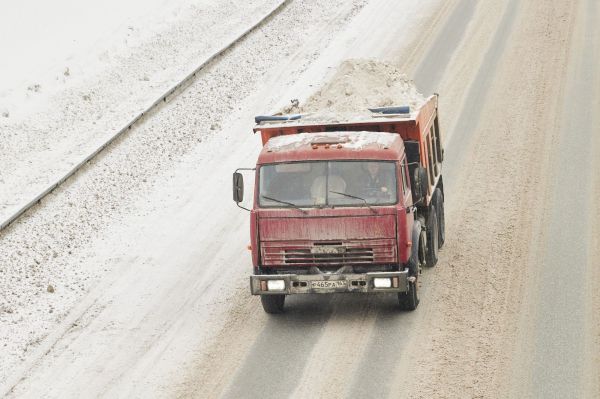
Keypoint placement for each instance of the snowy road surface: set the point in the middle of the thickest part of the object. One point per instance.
(147, 256)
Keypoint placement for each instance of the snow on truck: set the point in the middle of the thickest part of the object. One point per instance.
(353, 204)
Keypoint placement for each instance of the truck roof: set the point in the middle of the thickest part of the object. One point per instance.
(332, 145)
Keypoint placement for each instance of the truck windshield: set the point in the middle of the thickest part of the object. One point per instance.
(327, 183)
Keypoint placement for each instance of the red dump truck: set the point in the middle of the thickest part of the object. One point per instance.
(353, 205)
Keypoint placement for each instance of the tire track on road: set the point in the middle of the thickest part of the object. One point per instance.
(494, 154)
(388, 354)
(475, 99)
(592, 365)
(566, 269)
(429, 73)
(269, 375)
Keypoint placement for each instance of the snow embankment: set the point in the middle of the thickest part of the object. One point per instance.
(71, 76)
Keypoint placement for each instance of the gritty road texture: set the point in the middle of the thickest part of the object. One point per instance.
(511, 309)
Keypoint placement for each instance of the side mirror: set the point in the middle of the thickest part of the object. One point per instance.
(238, 187)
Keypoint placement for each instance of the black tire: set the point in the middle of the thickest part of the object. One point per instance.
(438, 202)
(431, 254)
(272, 304)
(422, 248)
(416, 258)
(409, 300)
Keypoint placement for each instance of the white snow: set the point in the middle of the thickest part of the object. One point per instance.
(47, 45)
(349, 140)
(119, 60)
(365, 139)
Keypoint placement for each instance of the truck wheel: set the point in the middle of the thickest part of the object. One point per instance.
(272, 304)
(431, 255)
(417, 256)
(422, 248)
(438, 202)
(409, 300)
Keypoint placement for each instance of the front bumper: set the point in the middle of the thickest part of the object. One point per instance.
(330, 283)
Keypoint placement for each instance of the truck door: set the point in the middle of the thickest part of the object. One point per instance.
(406, 216)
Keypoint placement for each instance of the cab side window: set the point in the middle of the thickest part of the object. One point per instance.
(404, 174)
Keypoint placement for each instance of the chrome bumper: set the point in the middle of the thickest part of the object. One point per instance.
(329, 283)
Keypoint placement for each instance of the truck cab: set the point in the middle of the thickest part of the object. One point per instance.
(346, 206)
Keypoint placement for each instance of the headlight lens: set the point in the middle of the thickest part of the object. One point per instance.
(275, 285)
(382, 282)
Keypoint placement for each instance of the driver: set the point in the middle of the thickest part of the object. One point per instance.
(377, 183)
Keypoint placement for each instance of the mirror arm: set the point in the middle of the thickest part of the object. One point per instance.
(239, 206)
(238, 169)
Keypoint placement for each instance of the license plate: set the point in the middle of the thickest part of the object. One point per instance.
(327, 250)
(328, 284)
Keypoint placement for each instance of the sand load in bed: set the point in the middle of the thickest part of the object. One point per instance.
(357, 86)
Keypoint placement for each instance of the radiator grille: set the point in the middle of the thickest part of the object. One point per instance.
(279, 253)
(351, 256)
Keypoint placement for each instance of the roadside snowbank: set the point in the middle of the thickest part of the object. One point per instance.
(98, 84)
(47, 47)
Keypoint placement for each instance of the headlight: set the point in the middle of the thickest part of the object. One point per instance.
(275, 285)
(382, 282)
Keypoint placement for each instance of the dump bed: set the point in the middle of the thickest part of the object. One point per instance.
(411, 125)
(418, 128)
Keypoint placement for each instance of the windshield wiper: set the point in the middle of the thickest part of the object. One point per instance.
(284, 202)
(355, 197)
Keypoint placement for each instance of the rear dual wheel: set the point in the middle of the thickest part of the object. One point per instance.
(433, 238)
(438, 202)
(436, 228)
